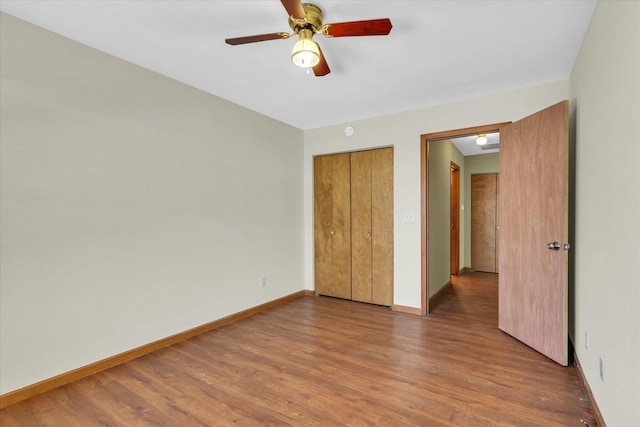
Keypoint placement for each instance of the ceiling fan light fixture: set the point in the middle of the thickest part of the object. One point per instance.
(306, 53)
(305, 20)
(481, 139)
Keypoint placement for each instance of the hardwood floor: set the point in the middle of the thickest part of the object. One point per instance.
(324, 361)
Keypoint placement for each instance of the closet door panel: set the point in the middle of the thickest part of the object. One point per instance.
(322, 207)
(382, 226)
(332, 225)
(353, 225)
(341, 226)
(361, 226)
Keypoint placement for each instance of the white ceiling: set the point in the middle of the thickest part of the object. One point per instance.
(468, 147)
(437, 51)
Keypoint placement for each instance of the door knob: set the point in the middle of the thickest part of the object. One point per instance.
(554, 246)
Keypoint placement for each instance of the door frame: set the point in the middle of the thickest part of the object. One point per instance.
(454, 221)
(424, 196)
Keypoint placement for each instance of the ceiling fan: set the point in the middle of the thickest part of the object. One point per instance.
(305, 19)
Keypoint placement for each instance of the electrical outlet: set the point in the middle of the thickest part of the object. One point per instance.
(586, 340)
(601, 370)
(263, 282)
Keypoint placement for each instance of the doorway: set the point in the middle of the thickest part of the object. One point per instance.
(427, 257)
(533, 209)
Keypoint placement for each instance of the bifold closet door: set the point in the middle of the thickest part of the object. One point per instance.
(332, 225)
(382, 226)
(372, 226)
(361, 232)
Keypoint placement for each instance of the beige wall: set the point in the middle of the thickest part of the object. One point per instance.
(605, 105)
(441, 154)
(133, 207)
(481, 163)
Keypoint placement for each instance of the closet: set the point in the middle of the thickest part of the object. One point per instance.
(353, 225)
(484, 222)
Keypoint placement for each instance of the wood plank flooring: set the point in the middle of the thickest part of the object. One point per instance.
(325, 362)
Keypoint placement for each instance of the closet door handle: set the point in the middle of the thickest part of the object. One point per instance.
(369, 234)
(333, 232)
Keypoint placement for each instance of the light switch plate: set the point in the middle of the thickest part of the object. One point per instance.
(409, 217)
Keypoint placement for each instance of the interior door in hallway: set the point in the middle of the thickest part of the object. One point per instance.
(533, 209)
(454, 210)
(484, 205)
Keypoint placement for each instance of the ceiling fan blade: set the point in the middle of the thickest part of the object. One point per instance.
(257, 38)
(372, 27)
(322, 68)
(294, 8)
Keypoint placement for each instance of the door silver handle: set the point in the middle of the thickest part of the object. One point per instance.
(555, 246)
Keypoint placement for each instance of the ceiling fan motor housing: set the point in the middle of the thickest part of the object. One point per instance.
(313, 20)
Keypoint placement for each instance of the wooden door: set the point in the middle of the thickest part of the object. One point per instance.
(332, 225)
(454, 238)
(382, 226)
(484, 189)
(361, 232)
(372, 226)
(497, 229)
(533, 207)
